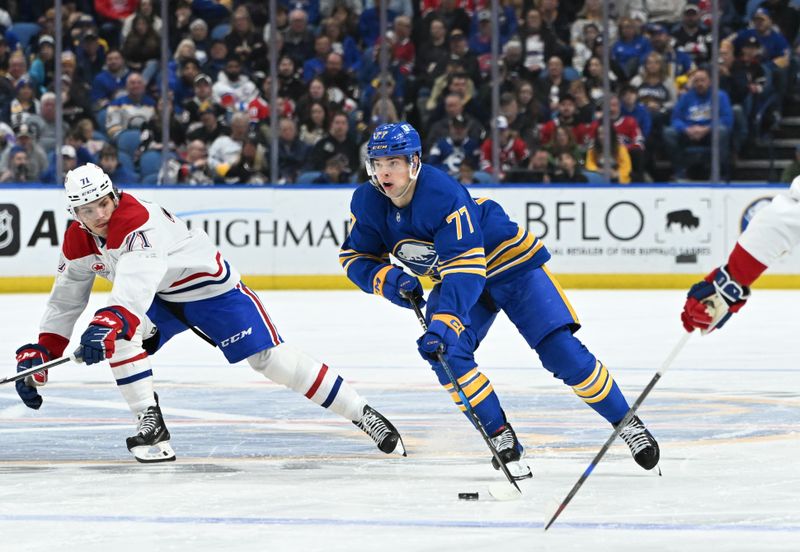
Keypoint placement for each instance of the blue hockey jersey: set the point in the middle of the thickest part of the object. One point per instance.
(464, 243)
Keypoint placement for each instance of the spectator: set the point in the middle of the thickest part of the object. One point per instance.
(25, 102)
(45, 122)
(334, 171)
(620, 169)
(86, 129)
(337, 141)
(593, 80)
(312, 127)
(655, 89)
(691, 36)
(525, 127)
(180, 25)
(450, 13)
(591, 14)
(630, 48)
(131, 110)
(583, 49)
(448, 153)
(110, 82)
(691, 123)
(217, 58)
(564, 117)
(298, 40)
(69, 161)
(209, 128)
(785, 14)
(91, 55)
(316, 65)
(454, 108)
(480, 41)
(183, 88)
(78, 88)
(513, 151)
(538, 43)
(142, 48)
(775, 47)
(43, 67)
(109, 162)
(678, 63)
(628, 134)
(17, 167)
(251, 167)
(584, 107)
(152, 136)
(198, 32)
(225, 151)
(145, 10)
(554, 84)
(243, 41)
(539, 168)
(232, 86)
(292, 151)
(433, 52)
(35, 156)
(341, 86)
(629, 106)
(556, 22)
(194, 169)
(564, 141)
(17, 67)
(466, 173)
(461, 85)
(528, 101)
(568, 170)
(755, 81)
(459, 49)
(289, 85)
(201, 100)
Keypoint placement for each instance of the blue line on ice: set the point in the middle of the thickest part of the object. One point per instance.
(200, 520)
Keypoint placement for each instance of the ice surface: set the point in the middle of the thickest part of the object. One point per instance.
(261, 468)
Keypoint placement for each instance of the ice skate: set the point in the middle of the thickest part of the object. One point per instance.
(381, 430)
(644, 447)
(151, 442)
(511, 453)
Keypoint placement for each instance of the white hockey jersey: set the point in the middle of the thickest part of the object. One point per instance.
(775, 229)
(148, 252)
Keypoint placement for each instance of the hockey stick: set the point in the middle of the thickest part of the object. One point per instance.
(496, 492)
(39, 367)
(667, 361)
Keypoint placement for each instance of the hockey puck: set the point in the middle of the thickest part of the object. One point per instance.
(468, 496)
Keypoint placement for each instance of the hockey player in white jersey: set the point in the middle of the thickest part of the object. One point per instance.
(166, 279)
(773, 232)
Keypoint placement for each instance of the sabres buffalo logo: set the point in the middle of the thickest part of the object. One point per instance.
(417, 255)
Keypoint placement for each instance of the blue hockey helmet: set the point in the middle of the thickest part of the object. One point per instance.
(394, 139)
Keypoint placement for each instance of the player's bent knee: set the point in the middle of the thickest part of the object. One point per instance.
(565, 356)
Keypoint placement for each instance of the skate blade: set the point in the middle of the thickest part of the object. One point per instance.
(400, 448)
(160, 452)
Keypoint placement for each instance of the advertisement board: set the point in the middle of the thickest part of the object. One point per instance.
(636, 236)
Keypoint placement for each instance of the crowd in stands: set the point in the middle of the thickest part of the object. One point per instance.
(331, 92)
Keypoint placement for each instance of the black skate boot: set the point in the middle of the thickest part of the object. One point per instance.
(151, 442)
(381, 430)
(644, 447)
(511, 453)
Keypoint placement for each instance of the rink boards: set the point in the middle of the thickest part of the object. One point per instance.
(288, 237)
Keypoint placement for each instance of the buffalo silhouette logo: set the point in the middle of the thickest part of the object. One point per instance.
(419, 256)
(684, 218)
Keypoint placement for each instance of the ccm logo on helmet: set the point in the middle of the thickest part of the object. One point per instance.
(236, 337)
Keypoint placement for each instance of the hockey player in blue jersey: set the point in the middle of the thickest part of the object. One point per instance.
(482, 263)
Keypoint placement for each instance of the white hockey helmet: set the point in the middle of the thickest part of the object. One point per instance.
(85, 184)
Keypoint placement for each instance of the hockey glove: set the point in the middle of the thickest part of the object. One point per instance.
(699, 311)
(28, 356)
(442, 333)
(395, 285)
(98, 342)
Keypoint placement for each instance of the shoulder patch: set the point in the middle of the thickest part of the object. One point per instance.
(129, 216)
(78, 243)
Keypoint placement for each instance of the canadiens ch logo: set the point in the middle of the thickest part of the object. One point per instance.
(9, 229)
(417, 255)
(98, 267)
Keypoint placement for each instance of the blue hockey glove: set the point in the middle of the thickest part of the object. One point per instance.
(395, 285)
(98, 342)
(442, 333)
(717, 287)
(28, 356)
